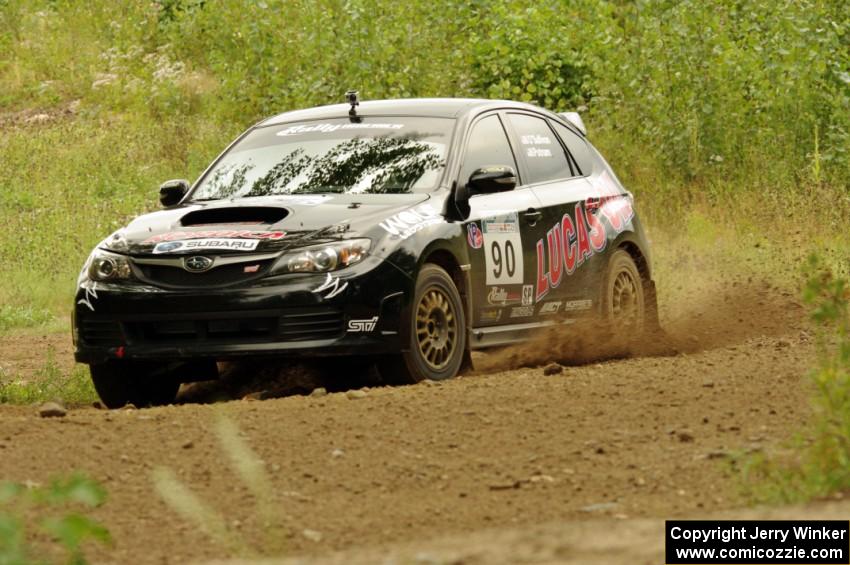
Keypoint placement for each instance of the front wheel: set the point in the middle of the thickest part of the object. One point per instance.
(436, 332)
(119, 383)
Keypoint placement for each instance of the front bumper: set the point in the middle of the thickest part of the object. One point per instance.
(358, 314)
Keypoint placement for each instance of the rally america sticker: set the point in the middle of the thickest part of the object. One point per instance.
(205, 245)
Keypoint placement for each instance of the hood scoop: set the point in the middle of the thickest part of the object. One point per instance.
(239, 215)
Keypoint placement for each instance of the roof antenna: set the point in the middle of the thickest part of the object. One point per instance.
(351, 97)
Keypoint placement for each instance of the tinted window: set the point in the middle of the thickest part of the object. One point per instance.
(544, 155)
(372, 156)
(488, 145)
(577, 147)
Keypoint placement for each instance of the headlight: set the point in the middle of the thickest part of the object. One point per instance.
(323, 258)
(105, 266)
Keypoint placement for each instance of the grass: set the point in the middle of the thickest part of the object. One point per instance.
(60, 509)
(251, 471)
(23, 317)
(48, 384)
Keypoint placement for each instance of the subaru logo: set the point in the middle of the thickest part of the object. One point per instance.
(197, 264)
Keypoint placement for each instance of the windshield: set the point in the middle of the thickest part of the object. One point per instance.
(378, 155)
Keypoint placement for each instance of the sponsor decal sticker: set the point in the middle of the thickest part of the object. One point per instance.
(210, 234)
(304, 199)
(330, 128)
(503, 255)
(499, 296)
(574, 305)
(581, 234)
(474, 236)
(361, 326)
(332, 286)
(490, 315)
(205, 245)
(522, 311)
(404, 224)
(527, 295)
(550, 307)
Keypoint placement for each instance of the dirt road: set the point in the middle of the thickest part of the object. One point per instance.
(646, 437)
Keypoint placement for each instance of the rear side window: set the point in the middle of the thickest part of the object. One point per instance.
(577, 147)
(540, 148)
(488, 145)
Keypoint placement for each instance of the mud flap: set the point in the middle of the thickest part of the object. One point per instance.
(651, 308)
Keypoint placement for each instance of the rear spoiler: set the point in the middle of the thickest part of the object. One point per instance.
(575, 119)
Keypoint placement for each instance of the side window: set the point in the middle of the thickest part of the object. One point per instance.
(488, 145)
(577, 148)
(540, 148)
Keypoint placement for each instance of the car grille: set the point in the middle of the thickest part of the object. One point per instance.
(225, 329)
(101, 332)
(307, 324)
(294, 324)
(177, 277)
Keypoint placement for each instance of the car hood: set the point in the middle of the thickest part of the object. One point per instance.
(260, 225)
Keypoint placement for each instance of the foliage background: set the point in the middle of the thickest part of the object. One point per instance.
(726, 116)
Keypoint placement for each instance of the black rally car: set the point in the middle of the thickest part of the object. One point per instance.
(409, 231)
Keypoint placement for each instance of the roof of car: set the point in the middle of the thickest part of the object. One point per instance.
(431, 107)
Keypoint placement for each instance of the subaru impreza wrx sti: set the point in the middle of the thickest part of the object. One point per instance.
(407, 231)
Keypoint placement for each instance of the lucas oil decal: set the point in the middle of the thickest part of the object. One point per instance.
(503, 249)
(205, 245)
(242, 234)
(580, 235)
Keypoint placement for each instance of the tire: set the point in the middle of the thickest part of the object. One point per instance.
(624, 299)
(436, 332)
(119, 383)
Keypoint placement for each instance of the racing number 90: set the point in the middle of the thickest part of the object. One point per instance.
(509, 263)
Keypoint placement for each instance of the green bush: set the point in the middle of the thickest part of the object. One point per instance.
(820, 464)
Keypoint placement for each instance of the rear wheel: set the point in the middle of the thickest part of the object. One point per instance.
(436, 330)
(624, 305)
(119, 383)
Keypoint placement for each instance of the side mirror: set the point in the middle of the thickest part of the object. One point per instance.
(171, 192)
(488, 180)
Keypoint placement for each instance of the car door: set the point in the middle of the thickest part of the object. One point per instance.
(570, 235)
(500, 232)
